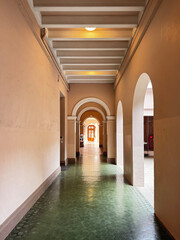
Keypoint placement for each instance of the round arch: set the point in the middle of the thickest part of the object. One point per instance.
(96, 123)
(91, 99)
(138, 129)
(91, 108)
(92, 117)
(119, 136)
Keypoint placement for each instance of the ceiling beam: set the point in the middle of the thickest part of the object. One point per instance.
(91, 67)
(90, 9)
(90, 60)
(87, 3)
(90, 44)
(82, 53)
(87, 77)
(74, 21)
(91, 81)
(81, 33)
(91, 73)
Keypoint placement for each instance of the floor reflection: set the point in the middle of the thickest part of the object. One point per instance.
(90, 201)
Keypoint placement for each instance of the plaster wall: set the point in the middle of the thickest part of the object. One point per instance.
(158, 56)
(29, 112)
(104, 92)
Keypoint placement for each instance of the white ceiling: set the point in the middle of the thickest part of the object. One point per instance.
(88, 57)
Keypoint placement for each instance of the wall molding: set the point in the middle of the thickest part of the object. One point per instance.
(8, 225)
(147, 17)
(111, 118)
(87, 100)
(71, 118)
(91, 108)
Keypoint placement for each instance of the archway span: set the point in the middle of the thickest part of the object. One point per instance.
(138, 129)
(91, 99)
(91, 108)
(92, 117)
(119, 136)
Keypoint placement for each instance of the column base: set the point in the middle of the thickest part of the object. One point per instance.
(111, 160)
(71, 160)
(64, 163)
(77, 154)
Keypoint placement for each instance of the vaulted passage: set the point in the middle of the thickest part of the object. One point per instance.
(89, 119)
(90, 201)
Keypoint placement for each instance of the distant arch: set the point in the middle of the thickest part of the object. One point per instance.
(91, 108)
(91, 99)
(92, 117)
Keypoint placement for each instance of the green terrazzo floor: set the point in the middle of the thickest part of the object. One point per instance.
(90, 201)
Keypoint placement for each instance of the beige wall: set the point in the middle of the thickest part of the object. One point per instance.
(29, 111)
(104, 92)
(158, 56)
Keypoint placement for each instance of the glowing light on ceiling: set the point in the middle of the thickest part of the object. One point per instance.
(90, 29)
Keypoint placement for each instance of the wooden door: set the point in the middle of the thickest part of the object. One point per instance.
(91, 133)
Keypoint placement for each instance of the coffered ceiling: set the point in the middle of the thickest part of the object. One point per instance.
(88, 56)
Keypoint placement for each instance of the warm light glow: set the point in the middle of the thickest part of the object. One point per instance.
(90, 28)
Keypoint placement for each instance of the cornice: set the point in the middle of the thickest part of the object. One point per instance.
(32, 22)
(149, 13)
(71, 117)
(110, 118)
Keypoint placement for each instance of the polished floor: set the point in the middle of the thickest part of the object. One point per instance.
(148, 189)
(90, 201)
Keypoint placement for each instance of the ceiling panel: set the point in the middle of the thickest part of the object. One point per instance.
(88, 56)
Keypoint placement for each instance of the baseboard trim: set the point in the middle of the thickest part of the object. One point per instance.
(111, 160)
(64, 163)
(164, 227)
(8, 225)
(71, 160)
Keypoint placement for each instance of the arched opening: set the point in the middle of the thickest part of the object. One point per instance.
(85, 112)
(119, 136)
(90, 100)
(91, 131)
(107, 127)
(142, 127)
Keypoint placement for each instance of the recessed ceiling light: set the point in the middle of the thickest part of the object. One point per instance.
(90, 29)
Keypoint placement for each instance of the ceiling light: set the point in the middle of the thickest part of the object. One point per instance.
(90, 29)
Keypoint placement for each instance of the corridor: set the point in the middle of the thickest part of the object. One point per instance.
(90, 200)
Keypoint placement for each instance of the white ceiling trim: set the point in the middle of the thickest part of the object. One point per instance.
(89, 9)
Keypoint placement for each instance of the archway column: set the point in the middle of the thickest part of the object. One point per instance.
(71, 139)
(77, 137)
(105, 138)
(111, 139)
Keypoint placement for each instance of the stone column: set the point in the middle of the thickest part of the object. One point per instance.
(77, 137)
(104, 138)
(111, 139)
(71, 139)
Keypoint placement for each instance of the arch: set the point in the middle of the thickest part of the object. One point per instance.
(91, 99)
(97, 129)
(119, 136)
(91, 108)
(92, 117)
(138, 129)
